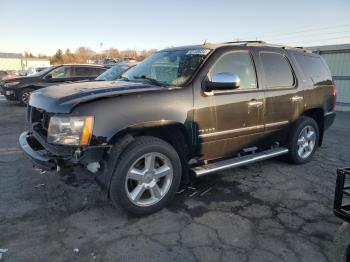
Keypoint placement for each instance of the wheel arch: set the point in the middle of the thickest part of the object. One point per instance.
(174, 133)
(318, 115)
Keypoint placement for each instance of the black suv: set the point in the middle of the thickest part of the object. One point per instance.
(19, 89)
(184, 111)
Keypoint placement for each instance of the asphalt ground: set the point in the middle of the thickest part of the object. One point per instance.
(269, 211)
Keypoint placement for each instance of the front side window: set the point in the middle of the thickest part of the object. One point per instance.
(61, 72)
(239, 63)
(277, 70)
(172, 67)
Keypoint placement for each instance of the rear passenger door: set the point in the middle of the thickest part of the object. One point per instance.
(283, 93)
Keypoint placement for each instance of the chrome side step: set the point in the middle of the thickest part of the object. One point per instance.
(238, 161)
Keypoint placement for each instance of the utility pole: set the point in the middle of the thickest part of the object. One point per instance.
(101, 45)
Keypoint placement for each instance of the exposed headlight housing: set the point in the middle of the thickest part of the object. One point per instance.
(70, 130)
(11, 84)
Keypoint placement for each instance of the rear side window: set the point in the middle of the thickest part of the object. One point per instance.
(240, 63)
(314, 68)
(82, 72)
(277, 70)
(97, 71)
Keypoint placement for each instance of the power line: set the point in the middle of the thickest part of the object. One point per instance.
(298, 32)
(324, 39)
(308, 35)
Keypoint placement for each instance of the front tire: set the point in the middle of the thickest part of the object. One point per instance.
(304, 140)
(146, 176)
(24, 95)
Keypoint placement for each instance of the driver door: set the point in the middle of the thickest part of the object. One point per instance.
(230, 120)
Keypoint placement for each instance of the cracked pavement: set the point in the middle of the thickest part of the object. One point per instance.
(269, 211)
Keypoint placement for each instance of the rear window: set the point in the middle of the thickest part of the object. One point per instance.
(277, 70)
(97, 71)
(314, 68)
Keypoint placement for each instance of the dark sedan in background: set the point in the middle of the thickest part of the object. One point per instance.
(19, 89)
(115, 72)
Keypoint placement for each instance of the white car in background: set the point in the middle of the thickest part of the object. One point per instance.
(33, 70)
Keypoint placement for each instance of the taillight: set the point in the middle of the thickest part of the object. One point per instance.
(334, 93)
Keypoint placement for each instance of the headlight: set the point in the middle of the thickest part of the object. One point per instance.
(67, 130)
(10, 84)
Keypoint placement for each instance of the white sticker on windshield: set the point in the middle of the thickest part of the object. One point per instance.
(198, 52)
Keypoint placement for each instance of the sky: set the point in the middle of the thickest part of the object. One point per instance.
(43, 26)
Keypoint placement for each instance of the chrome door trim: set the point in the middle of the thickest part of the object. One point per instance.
(231, 131)
(277, 124)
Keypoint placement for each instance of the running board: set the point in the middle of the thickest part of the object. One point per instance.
(238, 161)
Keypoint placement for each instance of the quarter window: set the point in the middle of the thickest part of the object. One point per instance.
(239, 63)
(314, 68)
(277, 70)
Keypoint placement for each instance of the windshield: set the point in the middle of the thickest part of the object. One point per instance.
(113, 73)
(43, 72)
(167, 67)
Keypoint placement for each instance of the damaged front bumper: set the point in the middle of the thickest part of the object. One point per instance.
(52, 157)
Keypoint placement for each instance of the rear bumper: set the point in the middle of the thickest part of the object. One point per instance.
(49, 157)
(329, 119)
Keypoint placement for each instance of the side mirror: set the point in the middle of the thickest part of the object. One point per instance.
(222, 81)
(48, 77)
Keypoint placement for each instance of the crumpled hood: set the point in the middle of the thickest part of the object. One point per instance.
(62, 98)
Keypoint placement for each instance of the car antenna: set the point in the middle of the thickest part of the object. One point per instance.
(205, 41)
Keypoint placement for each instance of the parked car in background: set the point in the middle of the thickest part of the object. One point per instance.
(7, 75)
(183, 111)
(114, 72)
(34, 70)
(19, 89)
(107, 62)
(129, 60)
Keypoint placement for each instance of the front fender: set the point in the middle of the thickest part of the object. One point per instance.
(118, 115)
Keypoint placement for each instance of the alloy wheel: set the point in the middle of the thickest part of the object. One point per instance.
(306, 141)
(149, 179)
(25, 97)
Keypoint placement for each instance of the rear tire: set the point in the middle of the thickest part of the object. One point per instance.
(303, 140)
(24, 95)
(146, 176)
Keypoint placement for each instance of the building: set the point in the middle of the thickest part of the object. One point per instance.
(10, 61)
(34, 62)
(338, 60)
(16, 62)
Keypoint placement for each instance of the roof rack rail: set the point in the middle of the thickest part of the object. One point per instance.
(259, 42)
(247, 42)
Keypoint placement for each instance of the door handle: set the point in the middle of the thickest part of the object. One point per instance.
(255, 103)
(297, 98)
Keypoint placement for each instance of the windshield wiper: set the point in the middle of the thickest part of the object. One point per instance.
(151, 80)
